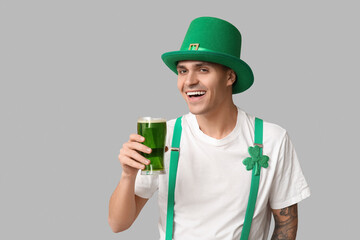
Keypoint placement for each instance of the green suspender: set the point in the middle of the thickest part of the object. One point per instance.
(258, 161)
(174, 160)
(254, 182)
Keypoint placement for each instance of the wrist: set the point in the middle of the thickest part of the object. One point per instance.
(128, 176)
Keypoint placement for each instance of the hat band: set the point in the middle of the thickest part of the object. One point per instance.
(195, 47)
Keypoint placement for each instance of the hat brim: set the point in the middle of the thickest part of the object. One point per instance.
(245, 77)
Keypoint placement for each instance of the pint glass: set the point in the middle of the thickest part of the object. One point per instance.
(154, 132)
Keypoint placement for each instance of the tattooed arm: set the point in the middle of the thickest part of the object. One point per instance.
(286, 223)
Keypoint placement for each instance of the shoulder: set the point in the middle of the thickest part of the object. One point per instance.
(276, 139)
(184, 119)
(170, 125)
(272, 132)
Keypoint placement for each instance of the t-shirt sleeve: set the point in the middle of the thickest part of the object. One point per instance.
(146, 185)
(289, 185)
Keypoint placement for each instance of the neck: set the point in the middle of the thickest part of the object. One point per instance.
(219, 123)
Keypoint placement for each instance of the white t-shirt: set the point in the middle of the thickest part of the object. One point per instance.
(213, 185)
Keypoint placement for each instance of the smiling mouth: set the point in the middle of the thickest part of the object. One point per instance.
(195, 94)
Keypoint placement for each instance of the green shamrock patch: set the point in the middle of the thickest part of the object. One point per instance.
(256, 160)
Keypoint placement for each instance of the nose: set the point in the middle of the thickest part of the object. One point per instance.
(191, 79)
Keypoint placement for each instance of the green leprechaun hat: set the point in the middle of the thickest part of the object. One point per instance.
(213, 40)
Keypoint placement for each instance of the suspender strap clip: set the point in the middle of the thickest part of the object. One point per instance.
(175, 149)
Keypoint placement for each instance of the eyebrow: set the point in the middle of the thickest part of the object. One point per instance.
(180, 66)
(202, 64)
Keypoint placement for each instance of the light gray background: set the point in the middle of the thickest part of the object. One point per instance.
(75, 75)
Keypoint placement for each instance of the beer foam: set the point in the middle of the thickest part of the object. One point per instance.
(151, 120)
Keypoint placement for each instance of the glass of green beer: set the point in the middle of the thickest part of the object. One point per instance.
(154, 132)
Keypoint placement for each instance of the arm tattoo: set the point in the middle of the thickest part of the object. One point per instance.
(286, 223)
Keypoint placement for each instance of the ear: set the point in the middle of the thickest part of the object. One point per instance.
(231, 77)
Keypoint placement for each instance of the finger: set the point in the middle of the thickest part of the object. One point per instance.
(138, 157)
(137, 146)
(130, 162)
(136, 138)
(130, 151)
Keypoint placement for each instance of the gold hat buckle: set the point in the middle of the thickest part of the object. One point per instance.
(194, 46)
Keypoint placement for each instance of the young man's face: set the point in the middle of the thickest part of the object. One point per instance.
(205, 86)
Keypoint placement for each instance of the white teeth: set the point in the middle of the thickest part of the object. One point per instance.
(195, 93)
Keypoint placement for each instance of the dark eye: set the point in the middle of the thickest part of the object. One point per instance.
(203, 70)
(181, 71)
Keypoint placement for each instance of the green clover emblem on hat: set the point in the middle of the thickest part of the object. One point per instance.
(256, 160)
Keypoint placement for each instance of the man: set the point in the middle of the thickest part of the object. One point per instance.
(213, 185)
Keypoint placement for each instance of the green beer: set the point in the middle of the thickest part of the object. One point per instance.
(154, 132)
